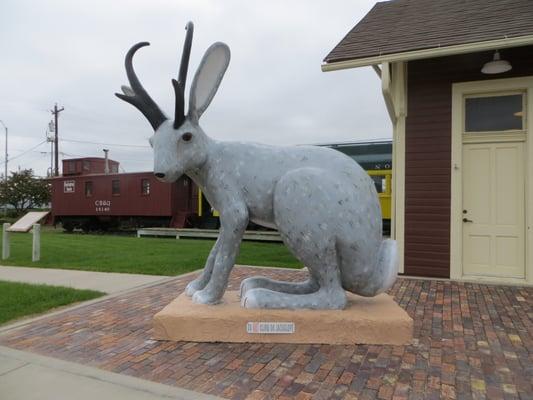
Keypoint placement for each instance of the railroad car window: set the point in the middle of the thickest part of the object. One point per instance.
(115, 187)
(88, 188)
(86, 165)
(145, 187)
(72, 166)
(494, 113)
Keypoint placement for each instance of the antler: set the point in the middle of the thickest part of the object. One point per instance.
(136, 95)
(179, 85)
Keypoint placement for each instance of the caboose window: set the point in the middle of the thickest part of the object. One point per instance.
(145, 187)
(88, 188)
(115, 187)
(86, 165)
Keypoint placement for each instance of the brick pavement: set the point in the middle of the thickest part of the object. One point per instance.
(472, 341)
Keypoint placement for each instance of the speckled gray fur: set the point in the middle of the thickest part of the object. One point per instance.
(324, 205)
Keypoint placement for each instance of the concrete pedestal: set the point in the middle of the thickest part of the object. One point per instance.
(377, 320)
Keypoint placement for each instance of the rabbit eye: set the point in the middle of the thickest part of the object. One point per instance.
(187, 136)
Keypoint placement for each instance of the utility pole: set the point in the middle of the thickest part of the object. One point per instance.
(5, 165)
(50, 138)
(56, 112)
(5, 161)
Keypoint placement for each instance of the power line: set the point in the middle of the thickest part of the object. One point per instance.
(105, 144)
(73, 155)
(32, 149)
(121, 158)
(25, 152)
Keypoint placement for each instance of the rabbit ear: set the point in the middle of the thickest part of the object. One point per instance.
(208, 78)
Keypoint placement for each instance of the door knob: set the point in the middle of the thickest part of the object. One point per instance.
(467, 220)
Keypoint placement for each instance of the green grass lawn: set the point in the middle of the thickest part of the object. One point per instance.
(154, 256)
(21, 299)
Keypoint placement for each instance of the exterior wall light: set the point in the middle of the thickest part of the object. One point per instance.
(496, 66)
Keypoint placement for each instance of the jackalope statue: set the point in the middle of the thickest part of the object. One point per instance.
(323, 204)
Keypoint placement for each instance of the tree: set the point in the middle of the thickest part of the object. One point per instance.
(23, 190)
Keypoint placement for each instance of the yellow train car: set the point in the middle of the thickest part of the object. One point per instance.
(383, 180)
(208, 216)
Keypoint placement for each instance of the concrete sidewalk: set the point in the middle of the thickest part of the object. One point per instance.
(107, 282)
(27, 376)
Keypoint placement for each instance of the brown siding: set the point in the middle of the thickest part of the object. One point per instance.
(428, 152)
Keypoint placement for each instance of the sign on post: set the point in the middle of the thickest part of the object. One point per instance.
(24, 224)
(5, 241)
(36, 250)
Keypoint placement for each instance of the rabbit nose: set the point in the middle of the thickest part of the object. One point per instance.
(159, 175)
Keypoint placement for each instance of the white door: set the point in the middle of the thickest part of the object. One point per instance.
(491, 224)
(494, 209)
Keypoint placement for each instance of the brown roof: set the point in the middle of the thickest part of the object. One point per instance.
(399, 26)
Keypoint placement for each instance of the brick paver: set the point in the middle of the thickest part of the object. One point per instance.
(471, 341)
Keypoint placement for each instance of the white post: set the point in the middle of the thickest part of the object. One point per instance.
(5, 241)
(36, 251)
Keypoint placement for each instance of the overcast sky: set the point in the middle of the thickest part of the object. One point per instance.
(72, 53)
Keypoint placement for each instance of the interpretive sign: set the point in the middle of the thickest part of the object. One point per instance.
(26, 222)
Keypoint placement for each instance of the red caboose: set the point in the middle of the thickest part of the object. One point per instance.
(88, 197)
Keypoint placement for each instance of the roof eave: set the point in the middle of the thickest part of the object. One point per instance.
(430, 53)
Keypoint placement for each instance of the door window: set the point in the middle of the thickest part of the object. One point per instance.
(494, 113)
